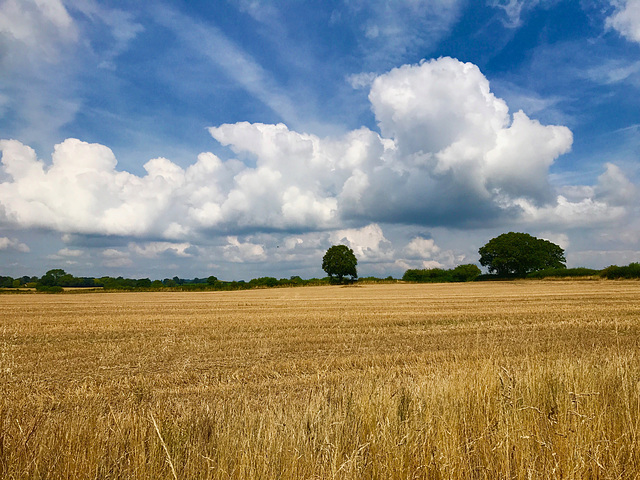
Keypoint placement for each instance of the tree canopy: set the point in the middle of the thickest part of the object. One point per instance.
(339, 262)
(519, 254)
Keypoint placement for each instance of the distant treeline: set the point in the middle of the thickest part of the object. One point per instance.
(467, 273)
(56, 280)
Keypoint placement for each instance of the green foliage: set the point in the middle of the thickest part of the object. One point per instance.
(519, 254)
(59, 278)
(49, 289)
(465, 273)
(340, 262)
(429, 275)
(615, 272)
(372, 279)
(462, 273)
(564, 272)
(264, 282)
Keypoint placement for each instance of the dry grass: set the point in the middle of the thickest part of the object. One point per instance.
(505, 380)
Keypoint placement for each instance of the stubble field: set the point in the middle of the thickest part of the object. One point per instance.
(456, 381)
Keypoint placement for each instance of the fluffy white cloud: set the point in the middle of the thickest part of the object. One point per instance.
(448, 125)
(240, 252)
(368, 243)
(626, 19)
(615, 188)
(13, 244)
(154, 249)
(420, 247)
(449, 153)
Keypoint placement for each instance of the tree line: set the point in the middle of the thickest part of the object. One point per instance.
(57, 280)
(510, 255)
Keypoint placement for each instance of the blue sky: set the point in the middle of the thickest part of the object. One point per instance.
(242, 138)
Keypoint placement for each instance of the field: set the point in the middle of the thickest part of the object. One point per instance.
(530, 379)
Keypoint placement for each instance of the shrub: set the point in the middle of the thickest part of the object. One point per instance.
(462, 273)
(613, 272)
(564, 272)
(49, 289)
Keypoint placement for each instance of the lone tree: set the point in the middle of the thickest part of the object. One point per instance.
(519, 254)
(340, 261)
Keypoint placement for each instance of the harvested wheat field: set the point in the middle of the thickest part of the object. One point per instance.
(455, 381)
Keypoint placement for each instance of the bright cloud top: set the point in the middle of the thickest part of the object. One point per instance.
(626, 19)
(448, 153)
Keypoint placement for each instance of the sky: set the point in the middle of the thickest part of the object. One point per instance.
(243, 138)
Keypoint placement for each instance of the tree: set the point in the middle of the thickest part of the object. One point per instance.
(53, 277)
(340, 261)
(519, 254)
(465, 273)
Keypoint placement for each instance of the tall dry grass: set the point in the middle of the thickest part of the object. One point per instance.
(511, 380)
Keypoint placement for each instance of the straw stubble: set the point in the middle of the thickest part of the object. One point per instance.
(484, 380)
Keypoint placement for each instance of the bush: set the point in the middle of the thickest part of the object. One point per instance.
(614, 272)
(462, 273)
(465, 273)
(49, 289)
(564, 272)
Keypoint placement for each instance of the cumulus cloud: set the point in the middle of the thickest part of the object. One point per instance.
(626, 19)
(368, 243)
(615, 188)
(420, 247)
(13, 244)
(154, 249)
(240, 252)
(449, 153)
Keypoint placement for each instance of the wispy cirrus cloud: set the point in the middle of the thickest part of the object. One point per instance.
(240, 66)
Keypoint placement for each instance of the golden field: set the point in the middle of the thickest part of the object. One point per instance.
(522, 380)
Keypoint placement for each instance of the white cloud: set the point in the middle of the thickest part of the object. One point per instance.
(368, 243)
(512, 9)
(13, 244)
(39, 24)
(240, 252)
(389, 32)
(560, 239)
(626, 19)
(615, 71)
(114, 258)
(361, 80)
(154, 249)
(121, 25)
(615, 188)
(420, 247)
(237, 63)
(68, 252)
(449, 154)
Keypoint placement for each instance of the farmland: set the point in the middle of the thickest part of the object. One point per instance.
(526, 379)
